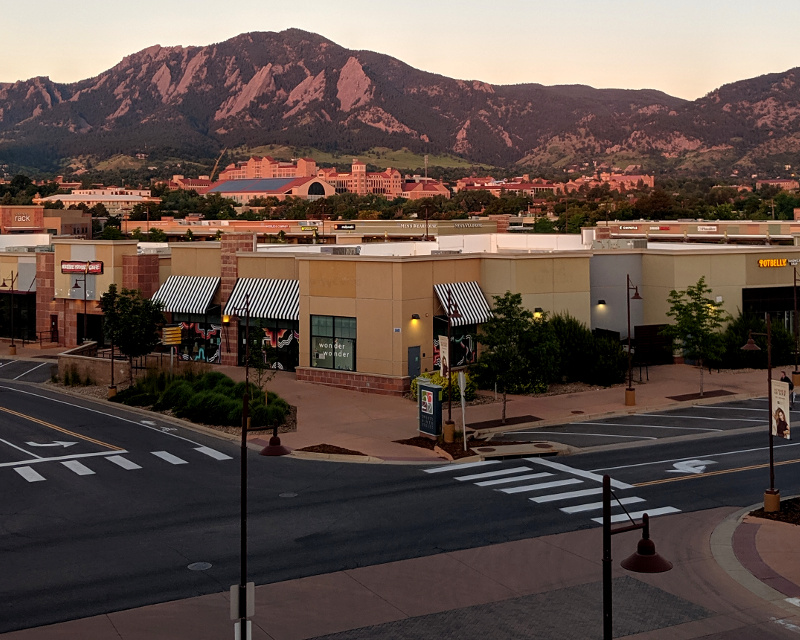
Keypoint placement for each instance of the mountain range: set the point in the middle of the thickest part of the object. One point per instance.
(300, 89)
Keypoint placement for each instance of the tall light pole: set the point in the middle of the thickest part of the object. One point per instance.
(630, 392)
(243, 623)
(77, 286)
(452, 312)
(772, 497)
(795, 373)
(644, 560)
(13, 347)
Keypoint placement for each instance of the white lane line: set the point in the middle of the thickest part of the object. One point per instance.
(710, 455)
(31, 370)
(682, 417)
(459, 467)
(168, 457)
(5, 364)
(622, 517)
(492, 474)
(541, 485)
(213, 453)
(19, 448)
(123, 462)
(577, 433)
(77, 467)
(527, 476)
(60, 458)
(578, 472)
(568, 495)
(29, 474)
(591, 506)
(651, 426)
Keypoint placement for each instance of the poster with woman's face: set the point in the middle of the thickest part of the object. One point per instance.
(780, 409)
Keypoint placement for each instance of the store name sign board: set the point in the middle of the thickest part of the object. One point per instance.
(94, 267)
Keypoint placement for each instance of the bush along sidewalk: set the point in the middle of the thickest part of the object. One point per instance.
(212, 398)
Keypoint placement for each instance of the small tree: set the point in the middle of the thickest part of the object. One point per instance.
(698, 319)
(132, 322)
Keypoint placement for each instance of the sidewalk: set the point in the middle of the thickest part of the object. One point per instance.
(734, 576)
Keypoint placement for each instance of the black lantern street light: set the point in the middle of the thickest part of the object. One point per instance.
(452, 312)
(644, 560)
(77, 286)
(772, 497)
(12, 280)
(630, 392)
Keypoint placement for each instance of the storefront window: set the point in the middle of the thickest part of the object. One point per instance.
(279, 341)
(464, 343)
(333, 343)
(200, 337)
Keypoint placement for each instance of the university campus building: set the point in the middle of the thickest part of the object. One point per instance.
(368, 316)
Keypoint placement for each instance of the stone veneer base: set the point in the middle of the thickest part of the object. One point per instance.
(367, 383)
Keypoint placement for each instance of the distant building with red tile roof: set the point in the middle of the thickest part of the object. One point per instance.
(267, 167)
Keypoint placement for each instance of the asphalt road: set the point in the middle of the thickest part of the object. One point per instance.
(26, 370)
(120, 518)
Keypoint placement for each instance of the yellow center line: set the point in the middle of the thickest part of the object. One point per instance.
(62, 430)
(714, 473)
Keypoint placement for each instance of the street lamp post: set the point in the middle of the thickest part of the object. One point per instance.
(772, 497)
(644, 560)
(630, 392)
(452, 312)
(12, 350)
(795, 373)
(77, 286)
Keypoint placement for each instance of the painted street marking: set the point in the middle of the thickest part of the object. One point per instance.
(682, 417)
(213, 453)
(541, 485)
(623, 517)
(31, 370)
(459, 467)
(568, 495)
(708, 474)
(29, 474)
(591, 506)
(149, 423)
(55, 443)
(123, 462)
(648, 426)
(60, 429)
(58, 458)
(168, 457)
(599, 435)
(492, 474)
(578, 472)
(690, 466)
(13, 446)
(527, 476)
(77, 467)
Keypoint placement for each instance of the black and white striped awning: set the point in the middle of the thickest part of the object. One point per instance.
(269, 299)
(469, 299)
(187, 294)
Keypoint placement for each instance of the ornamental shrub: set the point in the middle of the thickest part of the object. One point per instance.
(175, 396)
(470, 389)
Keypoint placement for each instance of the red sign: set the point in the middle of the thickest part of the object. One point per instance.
(95, 267)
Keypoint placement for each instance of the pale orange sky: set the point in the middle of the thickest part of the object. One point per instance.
(684, 48)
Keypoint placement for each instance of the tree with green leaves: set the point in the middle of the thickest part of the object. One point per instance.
(698, 320)
(519, 351)
(131, 322)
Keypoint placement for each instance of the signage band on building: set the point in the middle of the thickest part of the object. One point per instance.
(770, 263)
(93, 267)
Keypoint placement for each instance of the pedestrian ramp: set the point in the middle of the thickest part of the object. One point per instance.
(545, 481)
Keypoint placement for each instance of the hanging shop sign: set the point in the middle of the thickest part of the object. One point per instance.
(93, 267)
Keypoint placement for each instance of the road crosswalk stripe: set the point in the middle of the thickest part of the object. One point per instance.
(459, 467)
(623, 517)
(29, 474)
(541, 485)
(527, 476)
(77, 467)
(567, 495)
(123, 462)
(578, 472)
(213, 453)
(591, 506)
(168, 457)
(492, 474)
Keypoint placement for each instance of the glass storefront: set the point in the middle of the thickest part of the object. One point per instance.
(463, 342)
(200, 336)
(280, 341)
(333, 343)
(24, 315)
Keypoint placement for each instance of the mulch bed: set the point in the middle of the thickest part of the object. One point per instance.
(331, 449)
(790, 512)
(696, 396)
(454, 449)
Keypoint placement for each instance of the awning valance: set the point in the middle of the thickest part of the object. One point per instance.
(187, 294)
(469, 299)
(269, 299)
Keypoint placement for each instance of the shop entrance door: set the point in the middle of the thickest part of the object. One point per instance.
(413, 362)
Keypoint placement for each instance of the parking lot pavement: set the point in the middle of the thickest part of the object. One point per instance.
(27, 370)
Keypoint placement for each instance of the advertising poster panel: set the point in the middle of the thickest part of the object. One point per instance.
(444, 356)
(780, 409)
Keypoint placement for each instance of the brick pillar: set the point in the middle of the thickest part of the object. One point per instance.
(502, 221)
(45, 303)
(231, 244)
(141, 272)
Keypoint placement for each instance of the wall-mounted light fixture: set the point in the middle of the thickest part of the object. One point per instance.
(537, 312)
(226, 319)
(601, 301)
(718, 299)
(415, 316)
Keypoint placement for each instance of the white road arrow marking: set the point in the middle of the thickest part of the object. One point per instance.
(57, 443)
(690, 466)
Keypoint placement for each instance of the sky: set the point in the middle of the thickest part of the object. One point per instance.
(685, 48)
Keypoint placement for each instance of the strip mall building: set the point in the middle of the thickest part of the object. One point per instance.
(369, 316)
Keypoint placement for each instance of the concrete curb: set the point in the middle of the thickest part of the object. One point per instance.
(722, 549)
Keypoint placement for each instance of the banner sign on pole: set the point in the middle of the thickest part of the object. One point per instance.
(780, 409)
(444, 356)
